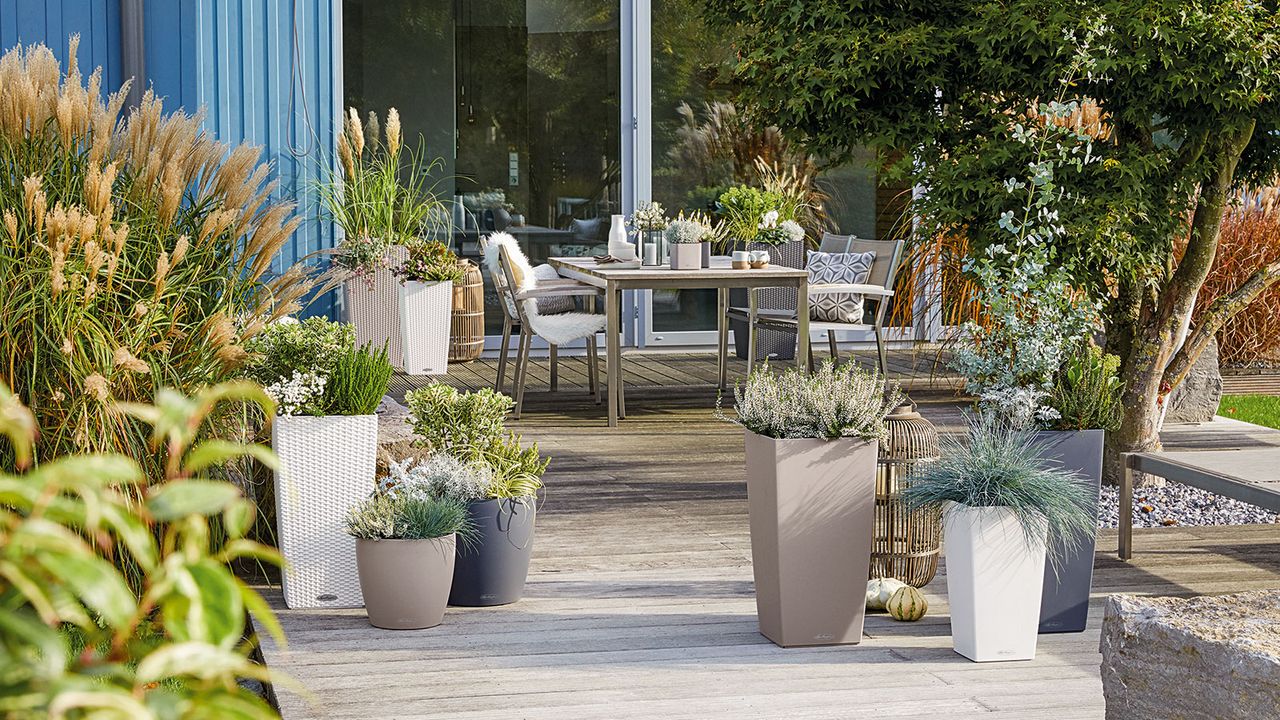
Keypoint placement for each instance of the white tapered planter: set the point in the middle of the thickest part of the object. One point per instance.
(327, 464)
(994, 583)
(424, 326)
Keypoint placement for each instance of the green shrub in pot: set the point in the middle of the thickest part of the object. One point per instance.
(1086, 391)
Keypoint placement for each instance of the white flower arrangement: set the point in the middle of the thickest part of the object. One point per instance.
(687, 232)
(295, 394)
(440, 476)
(772, 232)
(649, 217)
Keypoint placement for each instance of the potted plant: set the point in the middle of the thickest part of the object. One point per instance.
(426, 277)
(499, 481)
(325, 434)
(405, 543)
(1086, 401)
(648, 223)
(685, 239)
(811, 449)
(380, 195)
(1002, 508)
(756, 219)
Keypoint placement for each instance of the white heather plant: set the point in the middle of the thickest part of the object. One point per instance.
(440, 475)
(297, 395)
(686, 232)
(833, 402)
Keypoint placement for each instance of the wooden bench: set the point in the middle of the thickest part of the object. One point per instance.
(1251, 476)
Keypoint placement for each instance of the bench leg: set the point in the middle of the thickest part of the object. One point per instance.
(1126, 509)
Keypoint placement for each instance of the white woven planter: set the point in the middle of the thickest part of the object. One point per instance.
(375, 311)
(424, 326)
(326, 465)
(994, 583)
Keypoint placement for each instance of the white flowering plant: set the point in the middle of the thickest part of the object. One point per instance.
(832, 402)
(649, 217)
(773, 232)
(299, 394)
(440, 476)
(687, 232)
(1033, 318)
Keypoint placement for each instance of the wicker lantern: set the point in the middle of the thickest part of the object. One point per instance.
(466, 323)
(906, 544)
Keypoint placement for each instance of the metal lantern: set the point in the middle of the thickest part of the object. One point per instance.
(906, 544)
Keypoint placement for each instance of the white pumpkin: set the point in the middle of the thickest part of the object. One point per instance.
(880, 590)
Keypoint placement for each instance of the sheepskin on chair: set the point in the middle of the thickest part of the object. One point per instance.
(559, 329)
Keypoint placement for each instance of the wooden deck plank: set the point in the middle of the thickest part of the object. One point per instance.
(640, 600)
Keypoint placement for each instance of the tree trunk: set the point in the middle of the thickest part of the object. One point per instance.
(1153, 345)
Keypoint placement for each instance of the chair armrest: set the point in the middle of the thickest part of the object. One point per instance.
(580, 289)
(832, 288)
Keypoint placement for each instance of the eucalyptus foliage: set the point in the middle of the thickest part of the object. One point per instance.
(79, 639)
(832, 402)
(1001, 466)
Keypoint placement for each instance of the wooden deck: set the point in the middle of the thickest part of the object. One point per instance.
(640, 604)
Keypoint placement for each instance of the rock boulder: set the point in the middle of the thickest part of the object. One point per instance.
(1206, 658)
(1197, 398)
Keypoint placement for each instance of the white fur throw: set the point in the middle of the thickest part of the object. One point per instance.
(558, 329)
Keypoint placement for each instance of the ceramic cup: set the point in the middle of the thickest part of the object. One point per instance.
(740, 260)
(759, 258)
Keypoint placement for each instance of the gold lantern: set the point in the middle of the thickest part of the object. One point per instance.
(906, 544)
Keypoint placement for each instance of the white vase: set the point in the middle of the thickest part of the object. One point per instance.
(618, 245)
(424, 326)
(327, 464)
(994, 583)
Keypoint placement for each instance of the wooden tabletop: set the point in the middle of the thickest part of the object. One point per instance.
(721, 273)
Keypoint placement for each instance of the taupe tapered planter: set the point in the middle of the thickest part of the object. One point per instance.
(812, 505)
(406, 582)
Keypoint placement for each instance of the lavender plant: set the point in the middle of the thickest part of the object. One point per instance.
(833, 402)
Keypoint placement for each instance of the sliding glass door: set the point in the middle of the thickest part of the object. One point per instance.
(520, 101)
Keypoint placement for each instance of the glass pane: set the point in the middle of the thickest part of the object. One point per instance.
(520, 100)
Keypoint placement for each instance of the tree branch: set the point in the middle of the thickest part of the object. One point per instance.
(1222, 310)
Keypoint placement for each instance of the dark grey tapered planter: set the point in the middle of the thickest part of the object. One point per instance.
(493, 569)
(1064, 605)
(780, 345)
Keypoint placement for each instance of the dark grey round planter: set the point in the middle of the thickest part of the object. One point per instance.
(1064, 604)
(493, 569)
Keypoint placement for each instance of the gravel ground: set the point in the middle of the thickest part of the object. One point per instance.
(1176, 504)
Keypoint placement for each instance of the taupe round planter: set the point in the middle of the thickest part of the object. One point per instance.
(812, 505)
(406, 582)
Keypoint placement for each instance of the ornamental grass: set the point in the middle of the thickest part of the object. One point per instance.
(136, 253)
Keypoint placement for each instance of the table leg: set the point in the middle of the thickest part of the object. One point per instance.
(622, 380)
(722, 335)
(612, 316)
(802, 326)
(753, 310)
(1126, 508)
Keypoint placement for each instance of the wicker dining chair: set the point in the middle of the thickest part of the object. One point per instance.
(520, 290)
(878, 289)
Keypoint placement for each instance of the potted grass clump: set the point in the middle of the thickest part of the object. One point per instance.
(325, 435)
(1003, 507)
(426, 277)
(502, 498)
(1085, 398)
(811, 450)
(406, 540)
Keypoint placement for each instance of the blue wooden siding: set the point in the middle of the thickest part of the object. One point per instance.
(263, 71)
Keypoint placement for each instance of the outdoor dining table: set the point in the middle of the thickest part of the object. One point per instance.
(721, 276)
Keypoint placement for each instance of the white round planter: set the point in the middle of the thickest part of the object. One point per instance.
(994, 583)
(424, 326)
(327, 464)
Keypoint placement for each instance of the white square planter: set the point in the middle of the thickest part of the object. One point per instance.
(994, 583)
(374, 309)
(424, 326)
(327, 464)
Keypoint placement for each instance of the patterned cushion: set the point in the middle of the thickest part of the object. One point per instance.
(553, 304)
(841, 269)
